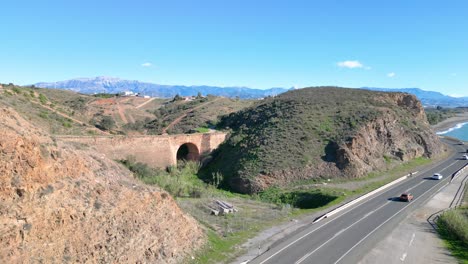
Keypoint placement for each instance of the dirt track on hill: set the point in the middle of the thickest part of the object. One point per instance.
(177, 120)
(145, 103)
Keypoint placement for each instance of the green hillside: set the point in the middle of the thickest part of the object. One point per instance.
(288, 136)
(59, 112)
(66, 112)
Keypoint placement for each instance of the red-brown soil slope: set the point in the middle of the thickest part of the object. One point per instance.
(63, 204)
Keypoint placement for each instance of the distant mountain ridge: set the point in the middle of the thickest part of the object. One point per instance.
(115, 85)
(427, 98)
(103, 84)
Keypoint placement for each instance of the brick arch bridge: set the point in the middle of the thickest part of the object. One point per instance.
(156, 151)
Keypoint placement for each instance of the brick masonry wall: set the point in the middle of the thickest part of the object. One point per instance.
(156, 151)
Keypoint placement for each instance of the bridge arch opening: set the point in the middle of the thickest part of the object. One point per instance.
(188, 151)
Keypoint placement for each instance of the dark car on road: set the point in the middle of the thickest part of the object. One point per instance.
(406, 197)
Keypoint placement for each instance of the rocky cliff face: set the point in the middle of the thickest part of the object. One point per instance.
(62, 204)
(388, 137)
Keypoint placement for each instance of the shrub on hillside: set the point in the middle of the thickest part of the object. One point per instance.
(78, 104)
(43, 99)
(179, 181)
(439, 114)
(106, 123)
(305, 199)
(456, 223)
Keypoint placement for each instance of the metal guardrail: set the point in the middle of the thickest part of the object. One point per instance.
(458, 199)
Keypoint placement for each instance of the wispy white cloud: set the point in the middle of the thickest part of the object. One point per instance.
(351, 64)
(391, 74)
(147, 64)
(453, 74)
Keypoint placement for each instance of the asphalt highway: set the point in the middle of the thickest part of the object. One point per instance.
(347, 236)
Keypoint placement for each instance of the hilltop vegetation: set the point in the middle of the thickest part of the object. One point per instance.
(438, 114)
(197, 115)
(69, 113)
(321, 132)
(61, 112)
(428, 98)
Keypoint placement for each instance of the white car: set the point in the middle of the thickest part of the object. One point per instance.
(437, 176)
(464, 157)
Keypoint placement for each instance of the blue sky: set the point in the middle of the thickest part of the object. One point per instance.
(259, 44)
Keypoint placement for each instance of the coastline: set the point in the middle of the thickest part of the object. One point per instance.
(451, 122)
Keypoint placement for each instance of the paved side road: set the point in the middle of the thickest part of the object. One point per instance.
(414, 240)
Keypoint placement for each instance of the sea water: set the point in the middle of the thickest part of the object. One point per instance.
(459, 131)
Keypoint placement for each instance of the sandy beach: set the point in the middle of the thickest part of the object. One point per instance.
(451, 122)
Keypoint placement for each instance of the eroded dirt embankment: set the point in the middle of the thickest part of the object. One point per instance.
(62, 204)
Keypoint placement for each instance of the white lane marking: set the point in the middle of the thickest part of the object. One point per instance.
(412, 239)
(415, 186)
(293, 242)
(310, 232)
(337, 234)
(371, 212)
(403, 257)
(360, 241)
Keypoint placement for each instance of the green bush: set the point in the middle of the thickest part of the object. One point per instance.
(67, 124)
(16, 90)
(42, 99)
(177, 97)
(106, 123)
(439, 114)
(136, 126)
(202, 130)
(453, 228)
(44, 115)
(141, 170)
(179, 181)
(304, 199)
(456, 222)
